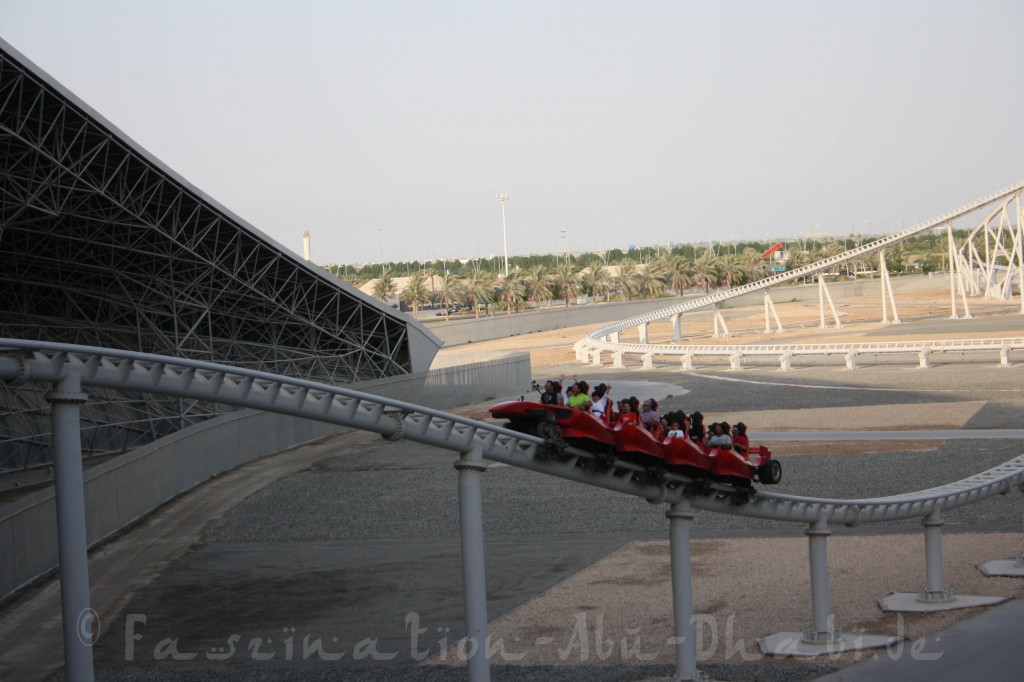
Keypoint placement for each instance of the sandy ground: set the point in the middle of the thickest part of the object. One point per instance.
(619, 610)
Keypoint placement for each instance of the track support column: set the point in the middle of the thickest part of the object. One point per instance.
(822, 637)
(680, 516)
(937, 595)
(77, 617)
(471, 467)
(822, 619)
(677, 327)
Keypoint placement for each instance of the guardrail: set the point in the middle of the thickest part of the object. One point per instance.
(786, 353)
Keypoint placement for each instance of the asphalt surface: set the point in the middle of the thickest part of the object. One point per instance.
(357, 553)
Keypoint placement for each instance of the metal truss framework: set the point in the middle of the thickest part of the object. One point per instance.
(993, 268)
(101, 244)
(995, 273)
(68, 368)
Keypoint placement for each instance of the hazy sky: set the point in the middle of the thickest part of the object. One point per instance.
(389, 127)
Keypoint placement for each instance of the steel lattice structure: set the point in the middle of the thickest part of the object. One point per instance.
(101, 244)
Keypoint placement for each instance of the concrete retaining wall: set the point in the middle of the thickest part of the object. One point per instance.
(129, 487)
(501, 325)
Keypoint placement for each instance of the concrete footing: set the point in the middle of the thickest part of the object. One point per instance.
(915, 602)
(798, 644)
(1007, 568)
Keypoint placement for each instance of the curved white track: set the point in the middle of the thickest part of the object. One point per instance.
(23, 361)
(590, 347)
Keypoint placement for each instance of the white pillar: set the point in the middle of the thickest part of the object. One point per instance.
(935, 579)
(677, 327)
(822, 625)
(474, 582)
(643, 332)
(77, 616)
(680, 517)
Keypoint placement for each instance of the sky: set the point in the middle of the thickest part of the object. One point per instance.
(387, 128)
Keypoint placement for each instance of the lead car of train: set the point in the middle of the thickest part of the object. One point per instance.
(562, 427)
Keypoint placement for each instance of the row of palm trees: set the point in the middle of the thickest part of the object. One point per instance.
(624, 279)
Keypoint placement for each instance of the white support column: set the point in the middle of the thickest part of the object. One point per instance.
(822, 619)
(887, 292)
(951, 251)
(937, 595)
(720, 320)
(77, 617)
(595, 357)
(617, 358)
(785, 361)
(677, 327)
(614, 337)
(736, 361)
(824, 295)
(1004, 356)
(821, 301)
(648, 360)
(643, 332)
(922, 358)
(1020, 253)
(769, 308)
(851, 360)
(687, 362)
(680, 516)
(474, 581)
(822, 637)
(883, 276)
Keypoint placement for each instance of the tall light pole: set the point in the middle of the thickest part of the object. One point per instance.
(565, 247)
(503, 197)
(380, 250)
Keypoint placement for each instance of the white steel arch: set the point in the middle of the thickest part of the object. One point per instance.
(69, 368)
(605, 338)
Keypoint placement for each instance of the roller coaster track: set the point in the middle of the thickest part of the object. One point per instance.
(596, 341)
(33, 361)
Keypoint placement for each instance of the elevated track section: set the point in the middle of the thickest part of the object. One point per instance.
(995, 270)
(68, 368)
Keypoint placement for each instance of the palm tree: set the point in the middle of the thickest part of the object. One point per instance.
(797, 259)
(481, 287)
(429, 273)
(567, 281)
(385, 287)
(756, 267)
(677, 271)
(539, 283)
(651, 279)
(596, 279)
(513, 290)
(452, 291)
(415, 292)
(730, 267)
(705, 270)
(627, 281)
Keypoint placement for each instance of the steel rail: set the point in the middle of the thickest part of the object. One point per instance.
(595, 340)
(23, 361)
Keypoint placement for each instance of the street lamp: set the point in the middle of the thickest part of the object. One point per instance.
(380, 250)
(503, 197)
